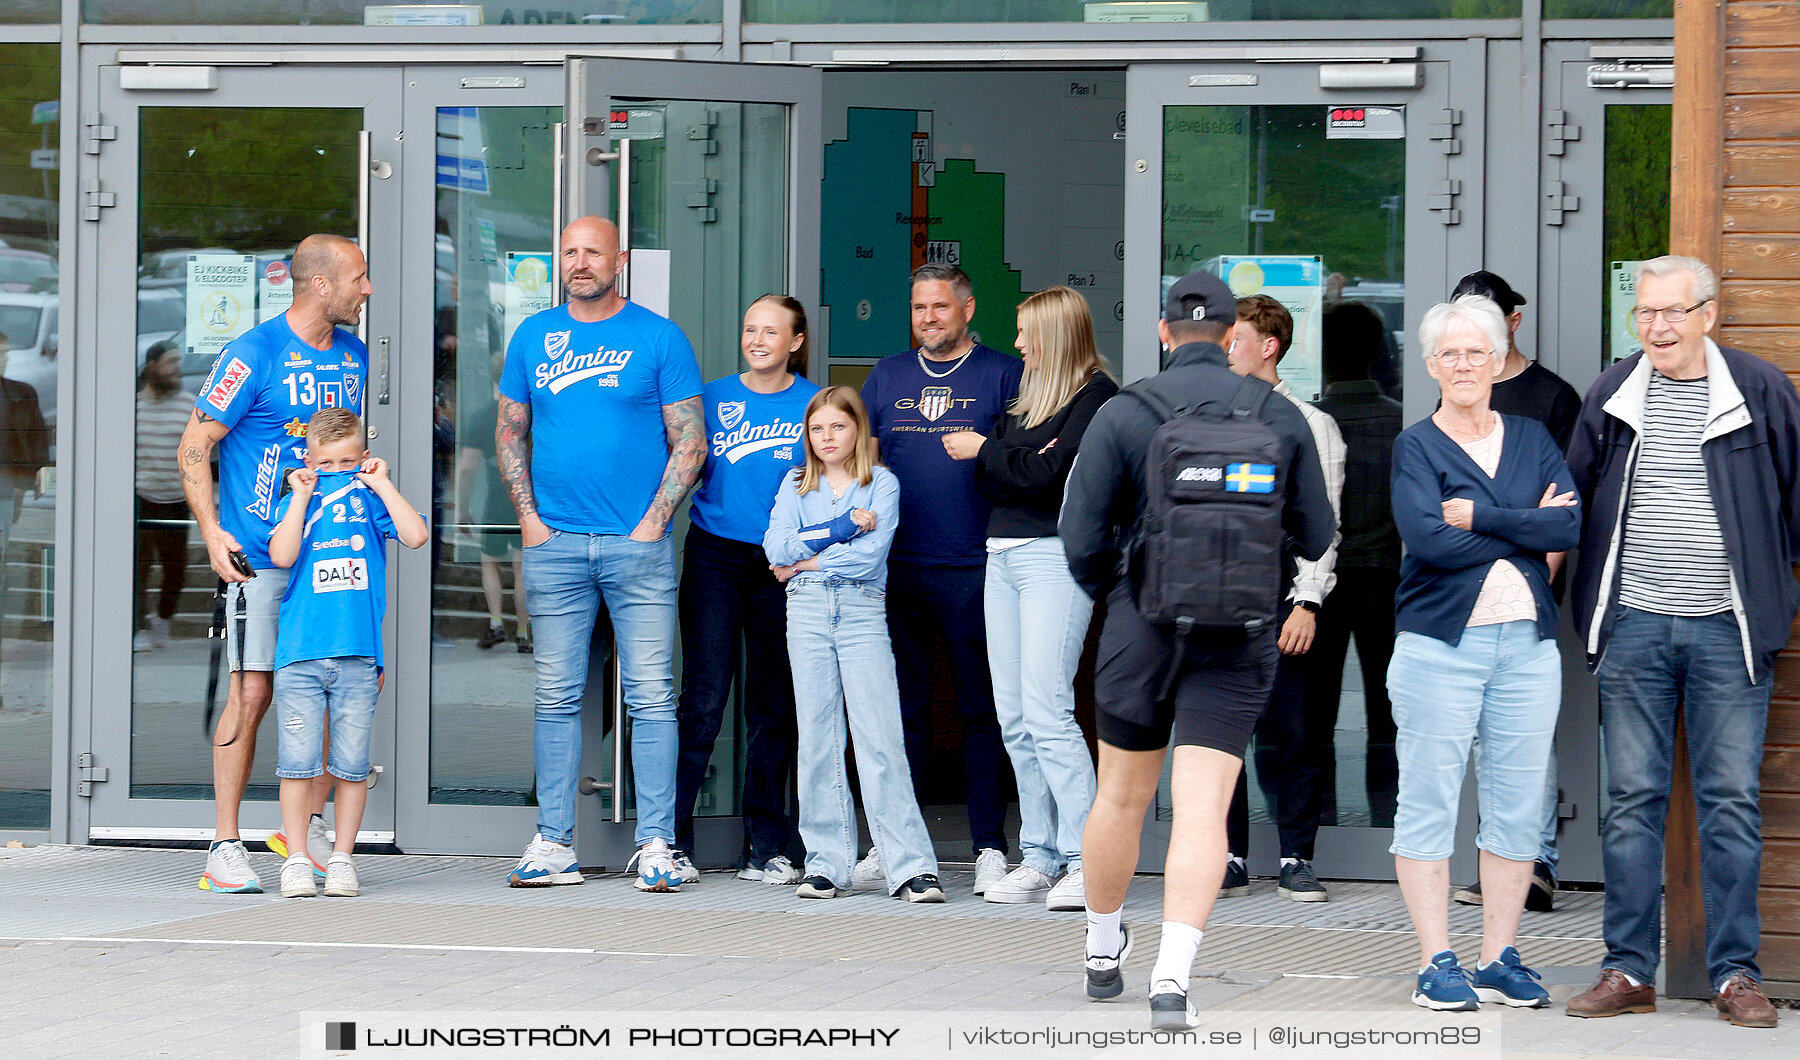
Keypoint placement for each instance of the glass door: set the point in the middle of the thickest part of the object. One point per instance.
(217, 173)
(1604, 208)
(1347, 207)
(712, 172)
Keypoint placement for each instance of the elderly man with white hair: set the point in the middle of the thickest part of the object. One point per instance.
(1687, 455)
(1480, 499)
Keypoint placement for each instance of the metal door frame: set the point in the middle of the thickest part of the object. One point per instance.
(104, 399)
(1445, 162)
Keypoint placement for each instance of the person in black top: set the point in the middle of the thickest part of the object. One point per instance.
(1209, 705)
(1036, 617)
(1368, 565)
(1527, 388)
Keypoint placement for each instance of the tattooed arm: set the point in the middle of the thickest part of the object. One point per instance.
(198, 440)
(685, 426)
(512, 448)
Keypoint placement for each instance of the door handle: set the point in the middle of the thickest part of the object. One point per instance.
(621, 156)
(382, 345)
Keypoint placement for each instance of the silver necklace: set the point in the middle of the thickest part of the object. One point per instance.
(926, 368)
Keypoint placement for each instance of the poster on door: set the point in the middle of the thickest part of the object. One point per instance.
(274, 289)
(1621, 295)
(527, 288)
(221, 300)
(1297, 282)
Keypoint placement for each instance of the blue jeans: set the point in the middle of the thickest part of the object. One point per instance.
(308, 690)
(843, 665)
(566, 578)
(1650, 662)
(1500, 683)
(1037, 620)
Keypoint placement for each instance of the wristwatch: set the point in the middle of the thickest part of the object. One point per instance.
(1311, 607)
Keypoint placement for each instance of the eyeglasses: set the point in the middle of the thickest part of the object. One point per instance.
(1475, 358)
(1673, 314)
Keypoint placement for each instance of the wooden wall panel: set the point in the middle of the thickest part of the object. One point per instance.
(1778, 346)
(1764, 209)
(1756, 165)
(1761, 24)
(1760, 117)
(1750, 71)
(1781, 776)
(1780, 908)
(1758, 302)
(1760, 257)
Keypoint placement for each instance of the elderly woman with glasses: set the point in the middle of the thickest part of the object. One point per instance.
(1480, 499)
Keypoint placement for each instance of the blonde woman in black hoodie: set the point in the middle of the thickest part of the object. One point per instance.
(1037, 617)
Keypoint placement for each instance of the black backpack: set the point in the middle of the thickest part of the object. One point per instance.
(1209, 553)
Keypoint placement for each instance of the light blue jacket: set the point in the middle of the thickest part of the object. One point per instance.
(863, 558)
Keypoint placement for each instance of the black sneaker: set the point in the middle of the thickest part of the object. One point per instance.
(921, 888)
(1169, 1008)
(1299, 884)
(1470, 895)
(1541, 898)
(494, 635)
(817, 887)
(1105, 980)
(525, 646)
(1237, 880)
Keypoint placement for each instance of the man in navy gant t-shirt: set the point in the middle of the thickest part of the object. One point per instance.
(949, 382)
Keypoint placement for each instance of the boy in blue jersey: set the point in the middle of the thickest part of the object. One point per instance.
(334, 525)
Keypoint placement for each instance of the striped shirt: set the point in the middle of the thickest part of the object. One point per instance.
(159, 427)
(1673, 559)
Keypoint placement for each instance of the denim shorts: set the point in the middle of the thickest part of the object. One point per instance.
(250, 637)
(305, 693)
(1503, 683)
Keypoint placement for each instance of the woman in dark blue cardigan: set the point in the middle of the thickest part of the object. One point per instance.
(1479, 499)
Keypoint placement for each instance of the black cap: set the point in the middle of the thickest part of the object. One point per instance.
(1200, 296)
(1489, 286)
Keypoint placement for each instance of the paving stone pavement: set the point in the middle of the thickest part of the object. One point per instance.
(114, 953)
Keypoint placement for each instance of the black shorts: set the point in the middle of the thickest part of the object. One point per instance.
(1225, 682)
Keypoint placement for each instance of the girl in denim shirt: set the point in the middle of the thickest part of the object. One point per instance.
(828, 543)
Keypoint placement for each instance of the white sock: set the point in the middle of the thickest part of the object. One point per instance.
(1176, 957)
(1104, 938)
(1633, 980)
(1235, 860)
(495, 623)
(1285, 862)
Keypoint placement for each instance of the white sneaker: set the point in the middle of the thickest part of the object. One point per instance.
(318, 844)
(545, 864)
(140, 641)
(868, 874)
(779, 870)
(656, 869)
(990, 868)
(1070, 893)
(159, 632)
(1021, 885)
(228, 870)
(340, 877)
(690, 873)
(297, 878)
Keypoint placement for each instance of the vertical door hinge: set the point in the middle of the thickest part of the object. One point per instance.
(1443, 202)
(1444, 131)
(1558, 202)
(702, 200)
(94, 131)
(703, 132)
(93, 200)
(1562, 132)
(87, 774)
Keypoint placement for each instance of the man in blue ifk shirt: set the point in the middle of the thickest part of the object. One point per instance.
(333, 528)
(937, 569)
(265, 386)
(600, 437)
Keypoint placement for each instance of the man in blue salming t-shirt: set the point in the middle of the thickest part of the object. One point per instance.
(600, 437)
(937, 569)
(253, 409)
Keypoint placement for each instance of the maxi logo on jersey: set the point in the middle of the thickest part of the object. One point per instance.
(224, 382)
(754, 438)
(563, 369)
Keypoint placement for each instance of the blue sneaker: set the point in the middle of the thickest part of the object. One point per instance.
(545, 864)
(1509, 982)
(656, 869)
(1444, 986)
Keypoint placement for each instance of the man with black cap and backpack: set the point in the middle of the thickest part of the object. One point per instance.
(1189, 499)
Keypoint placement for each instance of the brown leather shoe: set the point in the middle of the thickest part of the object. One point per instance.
(1613, 995)
(1742, 1002)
